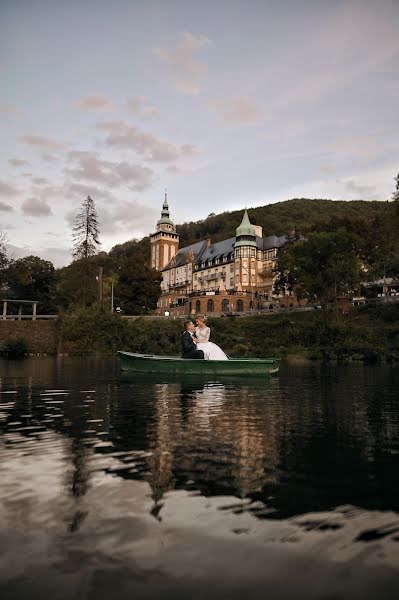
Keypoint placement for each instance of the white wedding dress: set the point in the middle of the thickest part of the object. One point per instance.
(211, 350)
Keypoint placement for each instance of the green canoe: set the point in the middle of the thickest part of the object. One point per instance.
(150, 363)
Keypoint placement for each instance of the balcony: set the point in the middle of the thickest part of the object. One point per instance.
(212, 277)
(266, 271)
(178, 285)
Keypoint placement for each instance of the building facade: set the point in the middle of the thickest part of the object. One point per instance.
(233, 275)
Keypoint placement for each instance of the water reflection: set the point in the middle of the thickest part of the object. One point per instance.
(310, 453)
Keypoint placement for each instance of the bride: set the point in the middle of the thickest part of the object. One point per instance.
(202, 333)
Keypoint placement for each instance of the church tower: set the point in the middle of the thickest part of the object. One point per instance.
(164, 241)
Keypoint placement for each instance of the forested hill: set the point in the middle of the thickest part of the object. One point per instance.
(299, 214)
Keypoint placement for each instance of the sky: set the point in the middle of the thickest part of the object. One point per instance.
(224, 103)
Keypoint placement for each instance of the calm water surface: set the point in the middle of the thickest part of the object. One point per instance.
(115, 486)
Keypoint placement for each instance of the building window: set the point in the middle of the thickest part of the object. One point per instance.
(210, 307)
(198, 306)
(225, 305)
(240, 306)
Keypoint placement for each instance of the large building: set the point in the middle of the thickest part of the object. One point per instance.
(233, 275)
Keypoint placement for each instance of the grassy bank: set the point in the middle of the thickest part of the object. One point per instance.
(371, 335)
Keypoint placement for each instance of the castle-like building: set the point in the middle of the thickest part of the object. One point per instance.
(233, 275)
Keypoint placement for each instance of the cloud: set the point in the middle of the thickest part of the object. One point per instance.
(173, 169)
(140, 178)
(36, 207)
(18, 162)
(80, 191)
(120, 220)
(337, 57)
(136, 106)
(369, 184)
(238, 111)
(363, 191)
(40, 142)
(8, 109)
(96, 102)
(185, 70)
(49, 157)
(5, 207)
(327, 169)
(131, 219)
(359, 147)
(58, 256)
(8, 189)
(90, 168)
(123, 136)
(39, 180)
(188, 150)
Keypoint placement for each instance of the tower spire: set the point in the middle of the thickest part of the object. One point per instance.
(165, 240)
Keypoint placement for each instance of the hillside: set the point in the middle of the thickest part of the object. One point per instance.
(301, 214)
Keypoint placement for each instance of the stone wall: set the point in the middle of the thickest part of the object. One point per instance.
(41, 336)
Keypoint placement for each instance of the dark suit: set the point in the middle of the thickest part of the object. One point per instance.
(188, 348)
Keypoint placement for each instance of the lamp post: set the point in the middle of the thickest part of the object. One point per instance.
(99, 278)
(114, 280)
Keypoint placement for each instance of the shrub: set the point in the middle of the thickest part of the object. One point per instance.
(390, 312)
(15, 348)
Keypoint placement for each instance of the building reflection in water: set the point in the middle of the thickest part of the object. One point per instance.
(202, 440)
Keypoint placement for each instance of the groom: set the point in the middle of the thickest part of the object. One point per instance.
(188, 343)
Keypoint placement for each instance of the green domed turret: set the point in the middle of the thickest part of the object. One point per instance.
(245, 233)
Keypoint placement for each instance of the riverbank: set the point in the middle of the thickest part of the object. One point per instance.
(368, 335)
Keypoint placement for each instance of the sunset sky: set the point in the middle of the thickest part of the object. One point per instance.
(225, 103)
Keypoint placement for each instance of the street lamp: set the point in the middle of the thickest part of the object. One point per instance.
(114, 279)
(99, 278)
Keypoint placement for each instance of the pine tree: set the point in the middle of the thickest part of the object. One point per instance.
(86, 242)
(85, 231)
(395, 195)
(3, 261)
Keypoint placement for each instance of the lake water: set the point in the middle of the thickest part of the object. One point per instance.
(116, 486)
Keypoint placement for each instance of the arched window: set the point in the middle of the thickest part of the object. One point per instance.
(225, 305)
(240, 306)
(198, 306)
(189, 307)
(210, 307)
(251, 305)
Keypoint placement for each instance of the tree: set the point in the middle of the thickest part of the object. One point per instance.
(393, 260)
(86, 242)
(138, 286)
(85, 231)
(395, 195)
(285, 280)
(70, 291)
(3, 262)
(384, 246)
(325, 265)
(32, 278)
